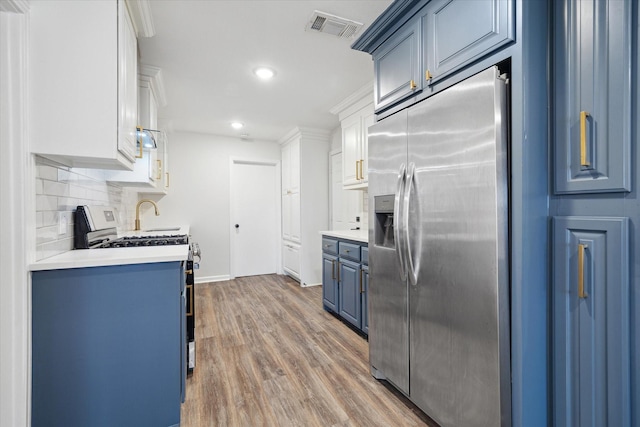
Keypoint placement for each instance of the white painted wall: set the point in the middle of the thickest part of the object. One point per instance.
(199, 193)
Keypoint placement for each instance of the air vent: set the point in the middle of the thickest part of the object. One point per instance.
(323, 22)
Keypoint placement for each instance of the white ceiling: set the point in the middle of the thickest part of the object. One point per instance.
(207, 50)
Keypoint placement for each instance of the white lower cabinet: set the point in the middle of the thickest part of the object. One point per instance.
(305, 202)
(291, 259)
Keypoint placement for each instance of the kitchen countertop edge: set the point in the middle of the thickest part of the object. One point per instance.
(84, 258)
(357, 235)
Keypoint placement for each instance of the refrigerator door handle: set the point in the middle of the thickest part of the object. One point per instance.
(410, 266)
(402, 173)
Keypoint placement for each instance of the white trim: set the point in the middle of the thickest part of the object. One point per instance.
(233, 161)
(17, 217)
(365, 91)
(209, 279)
(154, 76)
(140, 11)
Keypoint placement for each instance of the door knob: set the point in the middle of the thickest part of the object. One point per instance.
(237, 225)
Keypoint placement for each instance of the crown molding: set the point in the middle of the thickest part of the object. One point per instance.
(142, 18)
(14, 6)
(365, 92)
(153, 75)
(321, 135)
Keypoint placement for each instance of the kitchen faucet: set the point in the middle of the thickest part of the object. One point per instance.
(138, 211)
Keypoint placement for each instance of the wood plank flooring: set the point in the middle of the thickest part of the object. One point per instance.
(267, 354)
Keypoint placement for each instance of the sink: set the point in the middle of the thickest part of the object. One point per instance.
(162, 229)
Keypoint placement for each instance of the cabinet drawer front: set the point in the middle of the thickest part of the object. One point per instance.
(349, 251)
(329, 246)
(365, 255)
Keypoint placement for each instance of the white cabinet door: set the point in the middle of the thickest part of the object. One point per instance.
(286, 217)
(295, 166)
(291, 259)
(295, 217)
(127, 83)
(286, 169)
(350, 150)
(367, 120)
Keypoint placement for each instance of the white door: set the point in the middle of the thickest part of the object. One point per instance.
(345, 204)
(254, 219)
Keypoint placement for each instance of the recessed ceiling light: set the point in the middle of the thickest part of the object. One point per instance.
(264, 73)
(237, 125)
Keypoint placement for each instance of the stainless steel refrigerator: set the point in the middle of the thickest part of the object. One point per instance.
(438, 253)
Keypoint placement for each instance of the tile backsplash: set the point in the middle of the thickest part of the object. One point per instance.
(59, 190)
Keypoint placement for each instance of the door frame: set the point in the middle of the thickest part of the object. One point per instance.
(277, 186)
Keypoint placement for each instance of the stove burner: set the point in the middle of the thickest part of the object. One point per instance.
(141, 241)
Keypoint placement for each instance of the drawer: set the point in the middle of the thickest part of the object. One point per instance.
(349, 251)
(329, 246)
(365, 255)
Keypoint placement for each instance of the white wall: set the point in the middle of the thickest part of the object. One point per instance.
(199, 193)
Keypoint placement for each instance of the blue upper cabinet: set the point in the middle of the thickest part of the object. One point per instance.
(398, 66)
(593, 116)
(457, 32)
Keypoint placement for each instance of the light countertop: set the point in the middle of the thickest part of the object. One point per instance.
(357, 235)
(82, 258)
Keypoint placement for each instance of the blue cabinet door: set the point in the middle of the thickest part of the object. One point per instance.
(590, 291)
(397, 66)
(350, 300)
(457, 32)
(106, 346)
(592, 96)
(365, 300)
(330, 282)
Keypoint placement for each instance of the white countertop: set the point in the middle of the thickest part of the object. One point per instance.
(82, 258)
(357, 235)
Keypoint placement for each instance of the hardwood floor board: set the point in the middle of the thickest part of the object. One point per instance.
(269, 355)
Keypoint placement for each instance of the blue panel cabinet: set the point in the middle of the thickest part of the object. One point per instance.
(398, 66)
(106, 346)
(345, 280)
(330, 281)
(350, 285)
(593, 90)
(457, 32)
(591, 357)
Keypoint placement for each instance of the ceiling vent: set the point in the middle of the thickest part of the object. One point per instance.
(323, 22)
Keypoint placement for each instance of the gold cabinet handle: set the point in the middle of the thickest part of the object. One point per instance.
(357, 175)
(159, 165)
(333, 269)
(428, 76)
(581, 293)
(361, 290)
(412, 85)
(583, 139)
(167, 179)
(139, 141)
(361, 169)
(190, 312)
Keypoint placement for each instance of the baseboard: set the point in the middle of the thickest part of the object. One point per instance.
(208, 279)
(308, 285)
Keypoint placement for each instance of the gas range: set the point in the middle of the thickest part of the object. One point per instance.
(138, 241)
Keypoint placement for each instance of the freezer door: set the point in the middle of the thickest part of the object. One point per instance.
(458, 307)
(388, 311)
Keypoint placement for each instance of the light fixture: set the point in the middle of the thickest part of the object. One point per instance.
(264, 73)
(237, 125)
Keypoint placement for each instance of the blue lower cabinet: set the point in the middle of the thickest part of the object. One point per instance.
(350, 300)
(345, 280)
(591, 356)
(330, 282)
(106, 346)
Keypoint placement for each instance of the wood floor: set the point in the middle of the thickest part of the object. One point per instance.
(267, 354)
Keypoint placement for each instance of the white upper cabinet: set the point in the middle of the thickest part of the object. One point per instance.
(356, 115)
(83, 91)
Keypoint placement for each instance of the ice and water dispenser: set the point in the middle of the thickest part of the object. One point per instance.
(384, 221)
